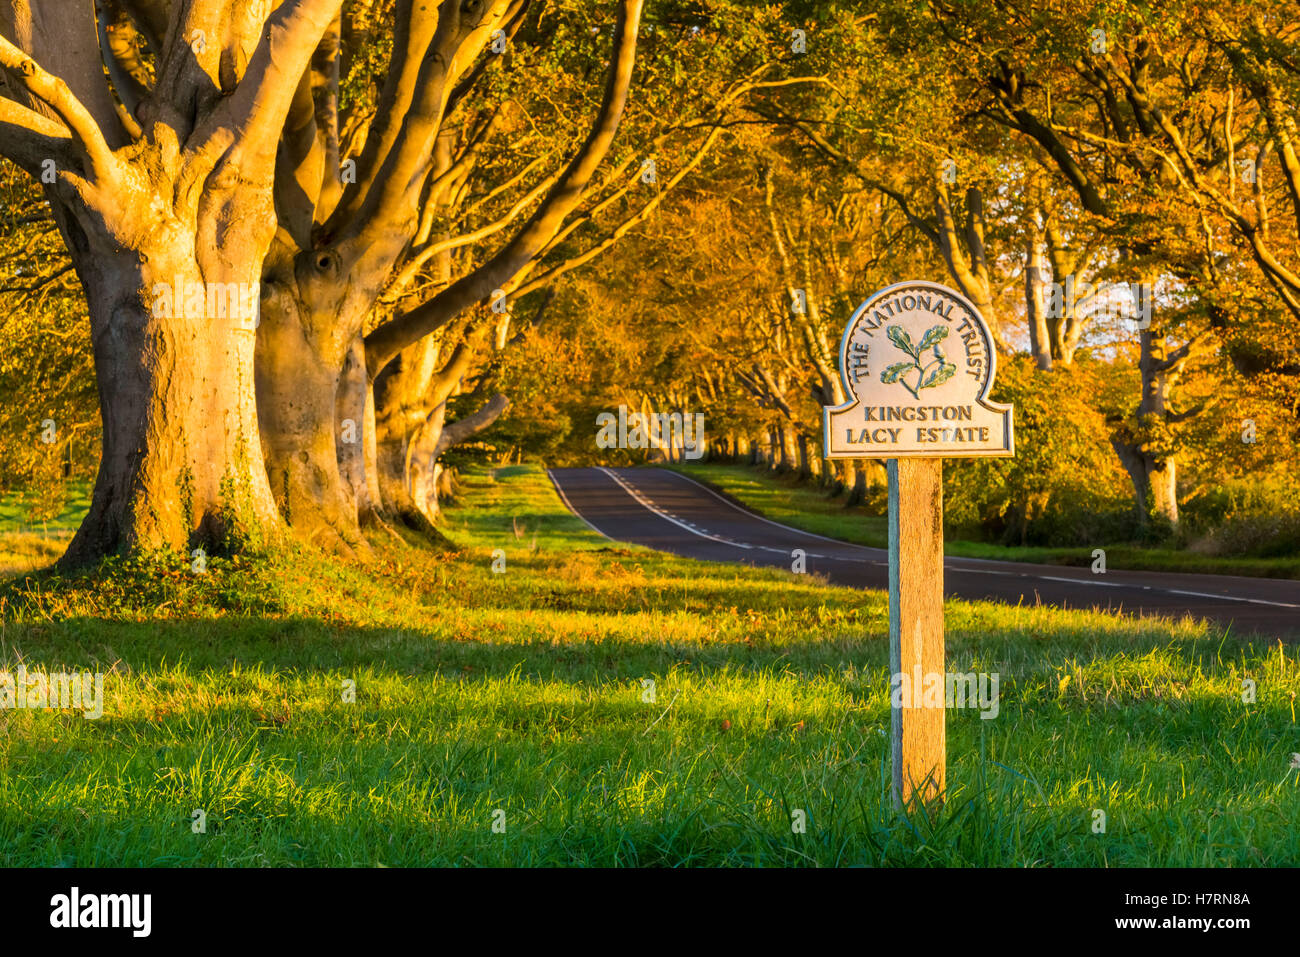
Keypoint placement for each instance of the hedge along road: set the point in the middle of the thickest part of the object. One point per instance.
(670, 512)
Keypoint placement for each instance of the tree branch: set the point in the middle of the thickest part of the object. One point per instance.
(55, 93)
(471, 425)
(29, 139)
(391, 337)
(247, 124)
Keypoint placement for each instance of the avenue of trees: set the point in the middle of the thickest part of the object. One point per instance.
(272, 267)
(1014, 154)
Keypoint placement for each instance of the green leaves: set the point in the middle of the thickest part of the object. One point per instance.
(895, 372)
(899, 337)
(928, 375)
(934, 373)
(933, 337)
(938, 376)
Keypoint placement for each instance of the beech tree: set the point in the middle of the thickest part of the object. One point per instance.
(163, 196)
(339, 245)
(372, 320)
(202, 172)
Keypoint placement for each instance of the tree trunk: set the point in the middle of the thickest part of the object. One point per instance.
(841, 475)
(1154, 481)
(789, 447)
(1036, 305)
(181, 464)
(1144, 447)
(805, 467)
(429, 479)
(1162, 480)
(423, 467)
(355, 415)
(858, 493)
(401, 411)
(299, 366)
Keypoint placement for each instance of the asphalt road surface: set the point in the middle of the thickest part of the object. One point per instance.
(672, 513)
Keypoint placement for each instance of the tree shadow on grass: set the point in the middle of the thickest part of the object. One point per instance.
(557, 645)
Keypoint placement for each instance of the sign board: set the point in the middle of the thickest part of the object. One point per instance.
(917, 362)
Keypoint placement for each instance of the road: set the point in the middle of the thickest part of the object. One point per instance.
(672, 513)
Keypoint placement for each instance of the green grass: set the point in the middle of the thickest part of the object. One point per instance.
(25, 544)
(803, 505)
(523, 692)
(14, 507)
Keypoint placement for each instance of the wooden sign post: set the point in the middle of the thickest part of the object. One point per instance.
(917, 362)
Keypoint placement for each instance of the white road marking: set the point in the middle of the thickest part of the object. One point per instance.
(1253, 601)
(569, 505)
(1091, 581)
(1168, 591)
(650, 506)
(749, 514)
